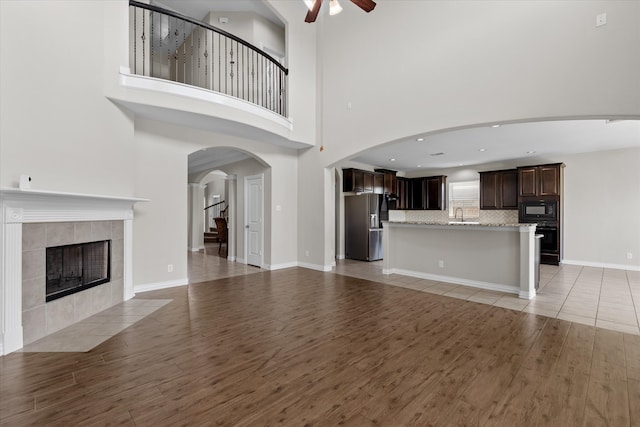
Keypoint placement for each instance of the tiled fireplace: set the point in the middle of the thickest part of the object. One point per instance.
(41, 318)
(34, 220)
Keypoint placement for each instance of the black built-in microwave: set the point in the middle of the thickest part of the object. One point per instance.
(538, 211)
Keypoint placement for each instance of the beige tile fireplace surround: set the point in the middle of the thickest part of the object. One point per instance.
(40, 318)
(35, 219)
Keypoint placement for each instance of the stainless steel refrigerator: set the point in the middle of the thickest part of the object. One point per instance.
(363, 231)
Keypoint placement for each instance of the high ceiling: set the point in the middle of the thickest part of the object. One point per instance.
(465, 147)
(487, 144)
(198, 9)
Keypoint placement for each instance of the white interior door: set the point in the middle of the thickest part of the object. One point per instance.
(253, 193)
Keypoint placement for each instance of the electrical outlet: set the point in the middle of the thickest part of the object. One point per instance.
(629, 255)
(601, 19)
(306, 253)
(441, 264)
(169, 268)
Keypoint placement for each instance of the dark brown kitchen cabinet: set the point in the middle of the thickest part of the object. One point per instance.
(368, 182)
(436, 193)
(352, 180)
(542, 180)
(378, 183)
(499, 189)
(361, 181)
(416, 193)
(402, 192)
(389, 178)
(428, 193)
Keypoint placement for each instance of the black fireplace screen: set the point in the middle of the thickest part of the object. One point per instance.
(73, 268)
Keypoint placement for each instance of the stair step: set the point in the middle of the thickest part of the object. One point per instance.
(210, 236)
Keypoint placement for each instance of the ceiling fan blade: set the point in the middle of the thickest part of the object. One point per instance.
(313, 12)
(366, 5)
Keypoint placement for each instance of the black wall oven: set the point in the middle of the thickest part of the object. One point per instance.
(545, 213)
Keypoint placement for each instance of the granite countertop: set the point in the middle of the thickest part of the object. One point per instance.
(463, 224)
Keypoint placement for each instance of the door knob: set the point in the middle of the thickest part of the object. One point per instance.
(246, 226)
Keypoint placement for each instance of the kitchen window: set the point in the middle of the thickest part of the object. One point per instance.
(466, 196)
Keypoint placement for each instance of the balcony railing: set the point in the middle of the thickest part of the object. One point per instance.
(170, 46)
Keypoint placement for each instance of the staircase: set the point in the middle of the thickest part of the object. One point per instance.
(211, 236)
(219, 209)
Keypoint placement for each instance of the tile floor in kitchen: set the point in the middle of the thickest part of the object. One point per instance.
(602, 297)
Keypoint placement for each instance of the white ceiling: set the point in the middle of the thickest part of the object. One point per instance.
(198, 9)
(507, 142)
(460, 147)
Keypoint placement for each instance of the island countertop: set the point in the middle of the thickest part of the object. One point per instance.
(459, 224)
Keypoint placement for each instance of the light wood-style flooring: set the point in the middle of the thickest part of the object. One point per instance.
(298, 347)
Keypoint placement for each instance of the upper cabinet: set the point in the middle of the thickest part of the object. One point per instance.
(537, 181)
(499, 189)
(402, 191)
(428, 193)
(361, 181)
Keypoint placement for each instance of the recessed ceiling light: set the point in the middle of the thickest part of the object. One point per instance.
(460, 164)
(420, 139)
(419, 166)
(482, 149)
(531, 152)
(392, 160)
(495, 126)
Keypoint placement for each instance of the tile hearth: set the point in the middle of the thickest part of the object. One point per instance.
(88, 333)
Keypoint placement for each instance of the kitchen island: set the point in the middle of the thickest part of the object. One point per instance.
(499, 257)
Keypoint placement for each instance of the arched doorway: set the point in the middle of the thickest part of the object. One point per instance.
(217, 189)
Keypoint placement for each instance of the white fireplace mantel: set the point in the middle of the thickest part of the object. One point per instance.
(38, 206)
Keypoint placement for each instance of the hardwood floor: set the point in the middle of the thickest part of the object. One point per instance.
(300, 347)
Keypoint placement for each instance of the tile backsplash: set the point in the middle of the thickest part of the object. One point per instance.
(486, 216)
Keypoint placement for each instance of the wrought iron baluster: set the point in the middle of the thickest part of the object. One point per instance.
(248, 73)
(135, 40)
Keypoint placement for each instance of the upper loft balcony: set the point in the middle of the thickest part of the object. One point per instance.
(192, 73)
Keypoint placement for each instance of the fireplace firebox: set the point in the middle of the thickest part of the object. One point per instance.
(74, 268)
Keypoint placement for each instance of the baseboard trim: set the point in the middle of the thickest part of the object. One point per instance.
(340, 256)
(160, 285)
(280, 266)
(601, 265)
(455, 280)
(231, 258)
(317, 267)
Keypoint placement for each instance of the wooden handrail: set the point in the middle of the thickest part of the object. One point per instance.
(216, 204)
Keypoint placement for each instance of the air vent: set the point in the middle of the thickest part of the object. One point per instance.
(436, 154)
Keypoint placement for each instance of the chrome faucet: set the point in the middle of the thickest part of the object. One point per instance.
(455, 214)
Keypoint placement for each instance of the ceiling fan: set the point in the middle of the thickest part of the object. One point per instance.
(334, 7)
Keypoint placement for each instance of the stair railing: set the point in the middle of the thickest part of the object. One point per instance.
(218, 209)
(171, 46)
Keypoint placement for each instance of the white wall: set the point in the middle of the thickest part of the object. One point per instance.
(602, 208)
(251, 27)
(453, 64)
(55, 123)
